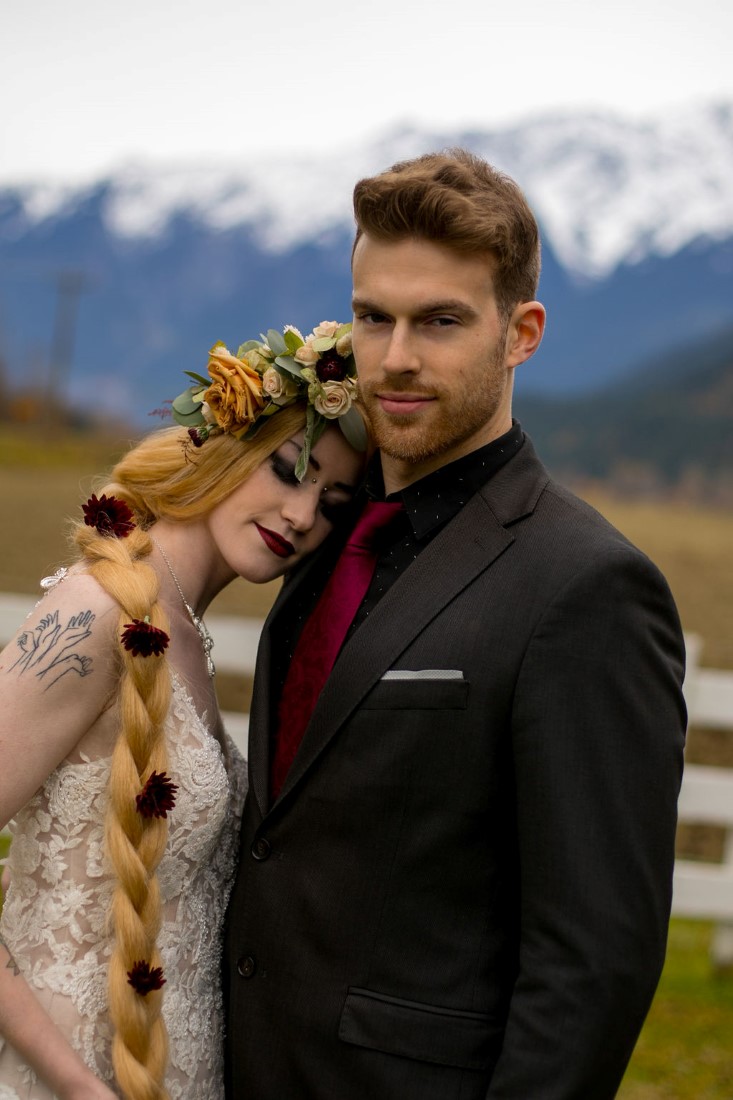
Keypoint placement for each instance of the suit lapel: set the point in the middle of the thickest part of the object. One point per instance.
(258, 743)
(466, 547)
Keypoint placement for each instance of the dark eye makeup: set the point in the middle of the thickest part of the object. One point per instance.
(284, 470)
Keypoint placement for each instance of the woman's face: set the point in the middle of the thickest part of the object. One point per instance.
(267, 525)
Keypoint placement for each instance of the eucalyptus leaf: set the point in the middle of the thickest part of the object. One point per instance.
(302, 464)
(342, 330)
(188, 420)
(303, 458)
(292, 340)
(188, 401)
(323, 343)
(318, 429)
(354, 429)
(289, 365)
(276, 342)
(248, 345)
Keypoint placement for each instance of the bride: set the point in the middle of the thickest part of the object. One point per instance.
(123, 789)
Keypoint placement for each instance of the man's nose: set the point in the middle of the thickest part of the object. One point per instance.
(401, 354)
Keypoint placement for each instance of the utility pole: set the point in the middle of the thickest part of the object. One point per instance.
(69, 285)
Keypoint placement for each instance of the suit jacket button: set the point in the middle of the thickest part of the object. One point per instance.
(246, 966)
(261, 849)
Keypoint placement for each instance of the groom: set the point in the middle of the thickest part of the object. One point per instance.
(462, 887)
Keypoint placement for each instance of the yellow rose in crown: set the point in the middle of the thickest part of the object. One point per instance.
(235, 394)
(243, 391)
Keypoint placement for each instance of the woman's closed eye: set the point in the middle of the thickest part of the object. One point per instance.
(283, 469)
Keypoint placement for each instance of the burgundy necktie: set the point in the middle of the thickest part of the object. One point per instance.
(324, 633)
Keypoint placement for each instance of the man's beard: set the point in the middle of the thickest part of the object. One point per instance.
(448, 421)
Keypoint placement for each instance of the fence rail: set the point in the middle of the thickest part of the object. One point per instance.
(702, 890)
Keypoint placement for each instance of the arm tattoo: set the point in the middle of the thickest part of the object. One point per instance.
(11, 964)
(50, 650)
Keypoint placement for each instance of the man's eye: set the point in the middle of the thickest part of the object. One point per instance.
(283, 470)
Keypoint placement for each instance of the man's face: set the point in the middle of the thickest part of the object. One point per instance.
(430, 352)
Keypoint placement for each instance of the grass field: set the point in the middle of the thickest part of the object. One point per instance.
(43, 482)
(686, 1049)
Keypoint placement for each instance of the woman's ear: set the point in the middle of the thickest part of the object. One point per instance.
(524, 332)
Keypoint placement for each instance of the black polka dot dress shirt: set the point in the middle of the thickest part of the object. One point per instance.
(429, 504)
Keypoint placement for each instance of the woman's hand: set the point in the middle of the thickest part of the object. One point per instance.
(34, 1035)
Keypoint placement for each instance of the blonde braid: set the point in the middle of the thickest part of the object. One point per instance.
(158, 478)
(135, 844)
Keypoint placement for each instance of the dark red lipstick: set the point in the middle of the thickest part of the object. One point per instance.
(275, 542)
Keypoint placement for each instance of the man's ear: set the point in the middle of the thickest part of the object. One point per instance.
(524, 333)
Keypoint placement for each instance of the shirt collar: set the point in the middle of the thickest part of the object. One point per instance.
(439, 496)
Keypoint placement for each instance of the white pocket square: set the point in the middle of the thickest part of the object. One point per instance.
(423, 674)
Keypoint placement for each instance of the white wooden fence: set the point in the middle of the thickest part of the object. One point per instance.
(702, 890)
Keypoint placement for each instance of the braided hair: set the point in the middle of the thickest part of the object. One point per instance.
(162, 477)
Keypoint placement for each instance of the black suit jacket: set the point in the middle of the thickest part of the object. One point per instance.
(464, 887)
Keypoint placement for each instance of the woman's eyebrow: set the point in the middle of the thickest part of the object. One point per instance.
(337, 484)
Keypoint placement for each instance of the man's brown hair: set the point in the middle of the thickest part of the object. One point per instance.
(459, 200)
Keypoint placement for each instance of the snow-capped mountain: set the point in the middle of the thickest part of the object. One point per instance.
(606, 189)
(637, 221)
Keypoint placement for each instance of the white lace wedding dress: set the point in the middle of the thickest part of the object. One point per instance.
(55, 914)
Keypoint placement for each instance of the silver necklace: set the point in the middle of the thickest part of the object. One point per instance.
(206, 640)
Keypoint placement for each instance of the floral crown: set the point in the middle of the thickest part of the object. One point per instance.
(244, 390)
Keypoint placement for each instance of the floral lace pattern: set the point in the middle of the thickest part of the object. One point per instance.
(55, 914)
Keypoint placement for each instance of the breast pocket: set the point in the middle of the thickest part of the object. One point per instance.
(419, 689)
(426, 1033)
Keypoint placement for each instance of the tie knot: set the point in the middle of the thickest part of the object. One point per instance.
(377, 515)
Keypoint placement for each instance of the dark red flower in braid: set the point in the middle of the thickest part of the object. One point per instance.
(143, 979)
(142, 639)
(109, 515)
(157, 797)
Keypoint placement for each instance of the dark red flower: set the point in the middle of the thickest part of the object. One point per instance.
(143, 639)
(194, 434)
(109, 515)
(331, 367)
(143, 979)
(157, 797)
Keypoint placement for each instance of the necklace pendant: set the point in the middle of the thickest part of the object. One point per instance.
(207, 641)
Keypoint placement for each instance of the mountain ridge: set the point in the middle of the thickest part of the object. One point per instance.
(668, 430)
(606, 188)
(636, 216)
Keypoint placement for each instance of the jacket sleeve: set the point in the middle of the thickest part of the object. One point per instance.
(598, 730)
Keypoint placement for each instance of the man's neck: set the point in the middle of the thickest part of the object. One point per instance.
(398, 473)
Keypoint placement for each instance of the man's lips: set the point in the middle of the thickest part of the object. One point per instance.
(275, 542)
(402, 404)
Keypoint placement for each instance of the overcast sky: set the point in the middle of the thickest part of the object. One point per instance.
(88, 84)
